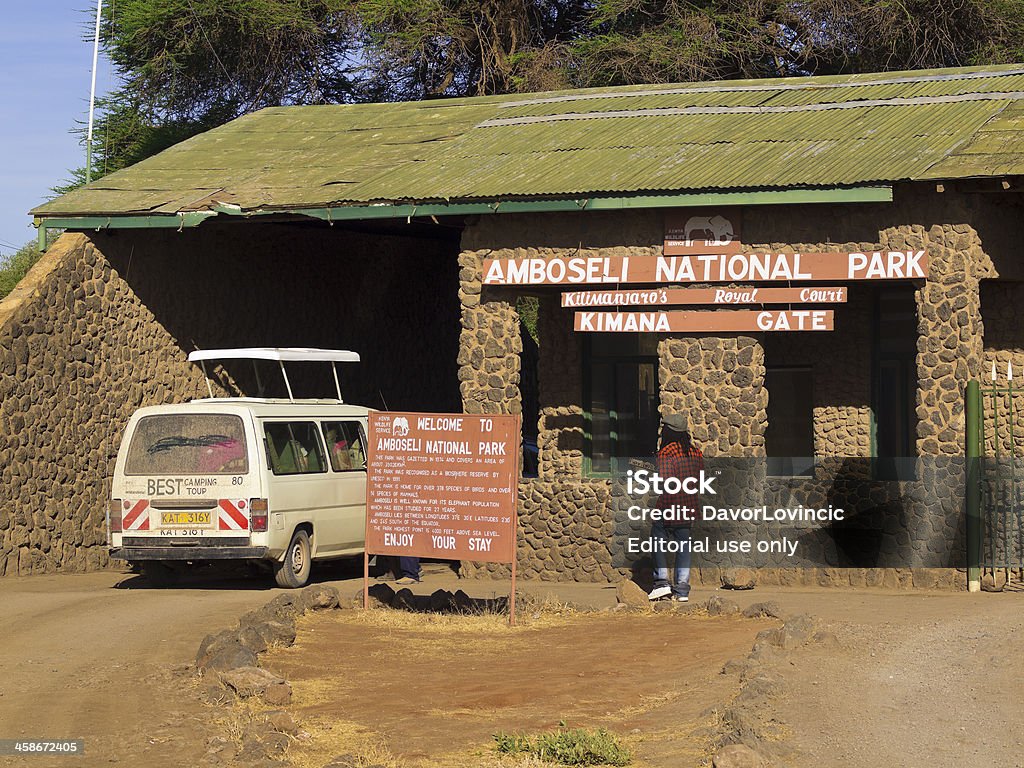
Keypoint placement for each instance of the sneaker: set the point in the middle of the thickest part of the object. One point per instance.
(659, 592)
(385, 577)
(405, 580)
(681, 598)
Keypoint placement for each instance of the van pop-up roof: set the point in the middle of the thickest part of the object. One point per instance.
(281, 355)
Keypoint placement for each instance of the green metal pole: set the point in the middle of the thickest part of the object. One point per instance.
(973, 490)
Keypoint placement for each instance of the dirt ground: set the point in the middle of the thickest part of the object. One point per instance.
(436, 693)
(916, 679)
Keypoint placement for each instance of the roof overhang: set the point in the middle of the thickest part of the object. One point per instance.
(398, 211)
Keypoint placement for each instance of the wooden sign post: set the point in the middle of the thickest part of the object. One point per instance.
(443, 485)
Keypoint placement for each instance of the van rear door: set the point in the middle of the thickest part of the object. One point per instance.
(189, 475)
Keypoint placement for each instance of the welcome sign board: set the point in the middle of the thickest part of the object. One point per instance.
(442, 485)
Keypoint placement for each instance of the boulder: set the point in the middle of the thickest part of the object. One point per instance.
(223, 652)
(441, 601)
(404, 600)
(738, 578)
(253, 681)
(721, 606)
(463, 602)
(770, 610)
(213, 643)
(797, 631)
(760, 686)
(277, 632)
(319, 597)
(738, 756)
(252, 639)
(381, 596)
(278, 694)
(628, 592)
(284, 607)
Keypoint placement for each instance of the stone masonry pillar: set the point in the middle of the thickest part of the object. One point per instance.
(489, 345)
(718, 382)
(950, 342)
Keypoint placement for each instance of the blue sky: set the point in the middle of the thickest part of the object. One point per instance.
(45, 64)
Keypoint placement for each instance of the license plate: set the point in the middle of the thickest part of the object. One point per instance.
(185, 518)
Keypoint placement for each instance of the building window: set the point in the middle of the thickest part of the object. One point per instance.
(789, 438)
(621, 397)
(894, 385)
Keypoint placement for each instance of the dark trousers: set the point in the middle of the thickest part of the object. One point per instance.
(409, 566)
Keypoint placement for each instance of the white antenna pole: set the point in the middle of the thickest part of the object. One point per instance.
(92, 92)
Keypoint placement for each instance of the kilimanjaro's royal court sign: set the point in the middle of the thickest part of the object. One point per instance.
(708, 268)
(660, 297)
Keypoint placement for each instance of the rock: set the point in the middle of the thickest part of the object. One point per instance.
(721, 606)
(737, 666)
(226, 656)
(404, 600)
(738, 756)
(381, 596)
(319, 597)
(211, 644)
(628, 592)
(344, 761)
(764, 610)
(284, 607)
(993, 582)
(739, 578)
(796, 631)
(282, 722)
(763, 685)
(252, 639)
(278, 694)
(463, 602)
(277, 632)
(441, 601)
(212, 691)
(250, 681)
(220, 750)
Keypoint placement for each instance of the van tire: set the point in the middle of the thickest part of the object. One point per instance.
(294, 571)
(160, 574)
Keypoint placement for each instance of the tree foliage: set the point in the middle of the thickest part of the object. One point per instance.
(16, 266)
(188, 65)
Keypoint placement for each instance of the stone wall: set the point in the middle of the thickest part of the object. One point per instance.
(719, 381)
(103, 322)
(79, 353)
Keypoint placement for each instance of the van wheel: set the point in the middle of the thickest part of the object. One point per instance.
(294, 571)
(160, 574)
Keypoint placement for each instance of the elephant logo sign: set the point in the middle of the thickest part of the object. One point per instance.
(716, 230)
(694, 232)
(400, 426)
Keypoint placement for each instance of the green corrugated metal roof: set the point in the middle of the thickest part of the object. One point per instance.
(819, 132)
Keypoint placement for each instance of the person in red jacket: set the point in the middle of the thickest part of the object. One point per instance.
(678, 457)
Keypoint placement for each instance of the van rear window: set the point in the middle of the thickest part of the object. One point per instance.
(188, 444)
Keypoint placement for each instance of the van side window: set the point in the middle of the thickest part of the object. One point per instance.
(345, 444)
(294, 447)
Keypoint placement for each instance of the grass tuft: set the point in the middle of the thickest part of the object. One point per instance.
(567, 746)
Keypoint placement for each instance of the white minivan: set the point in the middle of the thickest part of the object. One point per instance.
(279, 481)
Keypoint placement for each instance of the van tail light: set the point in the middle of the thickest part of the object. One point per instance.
(114, 514)
(259, 515)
